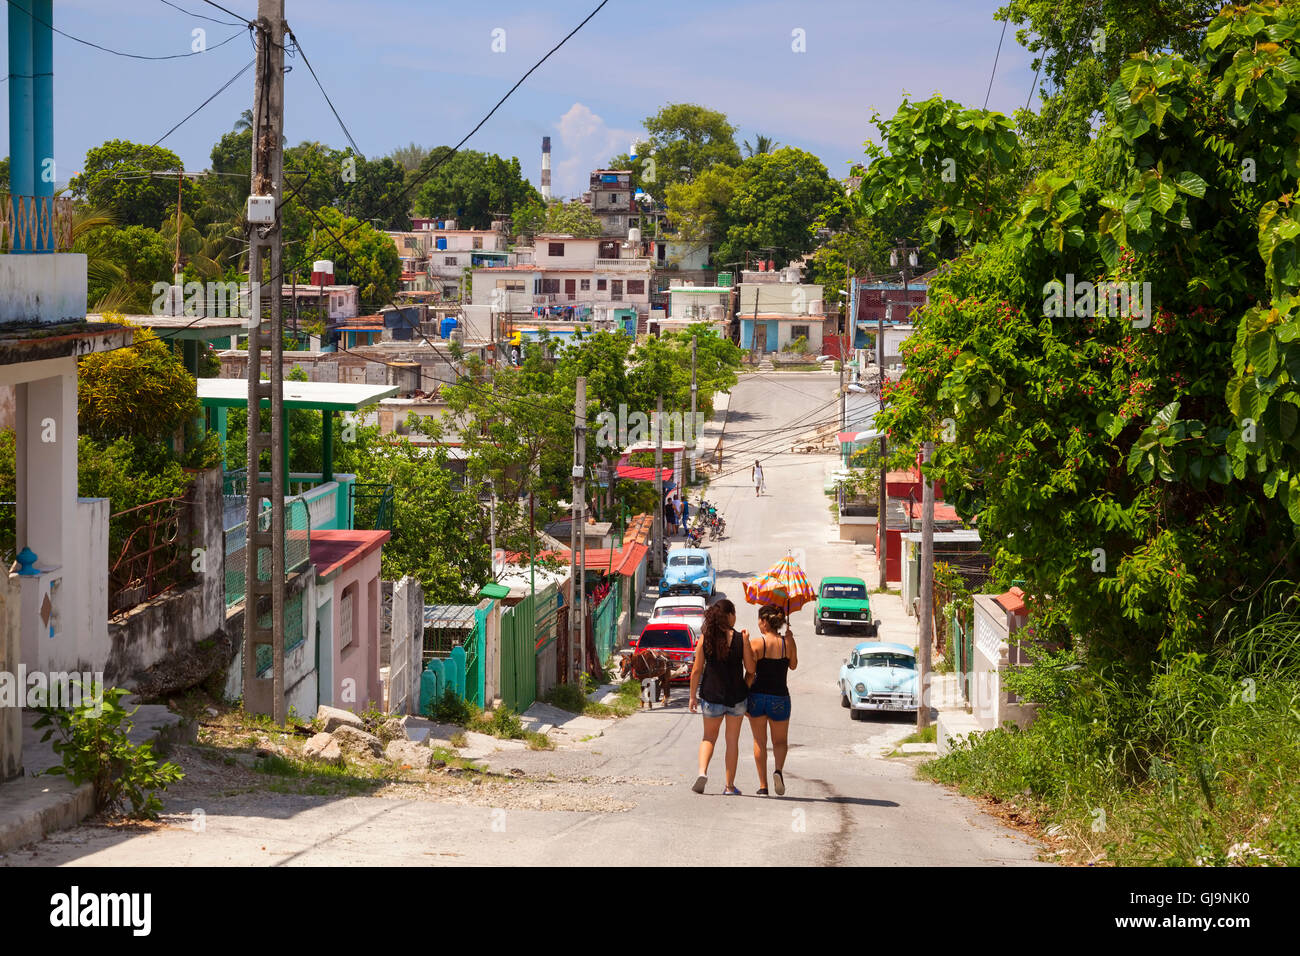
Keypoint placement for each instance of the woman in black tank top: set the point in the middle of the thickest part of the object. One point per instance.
(719, 686)
(769, 698)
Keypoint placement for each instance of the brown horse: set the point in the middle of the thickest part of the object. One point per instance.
(645, 666)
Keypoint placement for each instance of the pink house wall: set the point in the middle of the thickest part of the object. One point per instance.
(359, 661)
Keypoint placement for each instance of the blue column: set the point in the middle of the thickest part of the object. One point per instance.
(44, 171)
(22, 137)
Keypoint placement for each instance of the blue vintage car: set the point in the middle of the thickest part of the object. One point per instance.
(688, 571)
(879, 675)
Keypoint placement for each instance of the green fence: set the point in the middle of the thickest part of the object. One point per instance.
(604, 623)
(297, 549)
(519, 656)
(475, 651)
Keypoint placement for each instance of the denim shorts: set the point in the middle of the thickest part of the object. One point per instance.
(711, 709)
(771, 706)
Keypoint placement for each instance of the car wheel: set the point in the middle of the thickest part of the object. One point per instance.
(855, 714)
(844, 699)
(817, 628)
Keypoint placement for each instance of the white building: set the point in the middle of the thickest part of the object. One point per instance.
(439, 250)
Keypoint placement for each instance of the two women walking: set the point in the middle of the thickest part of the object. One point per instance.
(735, 675)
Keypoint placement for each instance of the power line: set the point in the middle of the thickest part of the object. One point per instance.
(229, 12)
(199, 16)
(346, 132)
(420, 178)
(225, 86)
(133, 56)
(996, 56)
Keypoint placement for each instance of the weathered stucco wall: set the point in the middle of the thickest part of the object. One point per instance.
(176, 621)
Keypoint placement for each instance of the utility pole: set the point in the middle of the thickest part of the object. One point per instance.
(267, 171)
(695, 439)
(579, 557)
(658, 554)
(882, 507)
(927, 590)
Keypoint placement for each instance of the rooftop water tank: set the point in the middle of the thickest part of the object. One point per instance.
(451, 223)
(448, 323)
(634, 235)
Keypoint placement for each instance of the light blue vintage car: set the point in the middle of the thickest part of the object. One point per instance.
(879, 675)
(689, 571)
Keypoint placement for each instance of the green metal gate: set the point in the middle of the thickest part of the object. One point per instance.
(605, 623)
(518, 656)
(475, 649)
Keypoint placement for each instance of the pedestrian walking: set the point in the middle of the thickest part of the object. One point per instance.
(686, 514)
(756, 473)
(775, 654)
(719, 687)
(681, 521)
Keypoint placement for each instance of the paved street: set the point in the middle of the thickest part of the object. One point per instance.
(625, 798)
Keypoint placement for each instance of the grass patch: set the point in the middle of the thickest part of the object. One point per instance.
(569, 697)
(1194, 765)
(927, 736)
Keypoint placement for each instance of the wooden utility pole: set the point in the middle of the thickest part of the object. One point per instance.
(882, 507)
(695, 439)
(927, 590)
(579, 557)
(657, 557)
(264, 696)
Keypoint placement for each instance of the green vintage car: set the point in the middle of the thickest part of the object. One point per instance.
(843, 602)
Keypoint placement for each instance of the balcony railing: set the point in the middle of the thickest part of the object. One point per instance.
(35, 223)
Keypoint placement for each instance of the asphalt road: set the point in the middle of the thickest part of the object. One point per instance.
(626, 797)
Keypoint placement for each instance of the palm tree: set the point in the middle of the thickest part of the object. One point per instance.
(244, 122)
(762, 144)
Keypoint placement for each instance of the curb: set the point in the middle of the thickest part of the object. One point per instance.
(32, 807)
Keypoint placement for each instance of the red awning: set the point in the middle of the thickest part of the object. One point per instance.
(641, 472)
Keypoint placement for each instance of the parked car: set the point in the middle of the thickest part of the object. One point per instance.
(879, 675)
(677, 639)
(688, 608)
(688, 571)
(843, 602)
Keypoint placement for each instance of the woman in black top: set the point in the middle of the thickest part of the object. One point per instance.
(769, 697)
(718, 681)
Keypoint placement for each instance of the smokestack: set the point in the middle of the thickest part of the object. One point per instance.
(546, 168)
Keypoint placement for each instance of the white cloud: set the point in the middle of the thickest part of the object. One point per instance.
(585, 143)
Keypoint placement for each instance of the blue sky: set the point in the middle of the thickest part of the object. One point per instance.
(413, 70)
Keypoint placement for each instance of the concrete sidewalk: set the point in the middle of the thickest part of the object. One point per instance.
(33, 806)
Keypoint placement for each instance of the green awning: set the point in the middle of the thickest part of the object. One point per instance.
(494, 591)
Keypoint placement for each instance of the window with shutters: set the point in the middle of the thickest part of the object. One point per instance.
(555, 249)
(636, 286)
(616, 290)
(347, 616)
(600, 285)
(585, 285)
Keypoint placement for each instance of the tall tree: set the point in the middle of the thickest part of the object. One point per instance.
(472, 188)
(116, 178)
(367, 259)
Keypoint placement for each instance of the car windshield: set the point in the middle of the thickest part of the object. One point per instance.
(685, 560)
(904, 661)
(679, 612)
(670, 637)
(842, 592)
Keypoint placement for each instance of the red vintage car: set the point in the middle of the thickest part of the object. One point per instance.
(674, 638)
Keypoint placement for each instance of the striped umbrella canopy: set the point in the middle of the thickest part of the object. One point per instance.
(784, 585)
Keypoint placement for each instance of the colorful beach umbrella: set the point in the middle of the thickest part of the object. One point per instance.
(784, 585)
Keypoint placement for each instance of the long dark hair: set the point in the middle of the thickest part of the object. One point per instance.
(717, 631)
(773, 616)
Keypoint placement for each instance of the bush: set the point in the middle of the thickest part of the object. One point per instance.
(95, 748)
(567, 697)
(451, 708)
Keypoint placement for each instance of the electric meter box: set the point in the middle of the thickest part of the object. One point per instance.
(261, 209)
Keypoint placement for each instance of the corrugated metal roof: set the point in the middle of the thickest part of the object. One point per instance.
(454, 616)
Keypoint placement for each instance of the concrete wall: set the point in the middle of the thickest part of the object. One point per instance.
(43, 288)
(176, 621)
(11, 716)
(994, 655)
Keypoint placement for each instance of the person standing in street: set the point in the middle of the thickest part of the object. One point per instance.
(768, 707)
(756, 473)
(723, 660)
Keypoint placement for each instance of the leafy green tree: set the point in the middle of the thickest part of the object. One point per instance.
(410, 157)
(138, 201)
(684, 139)
(472, 188)
(138, 392)
(697, 210)
(376, 193)
(557, 218)
(778, 201)
(124, 263)
(1135, 461)
(367, 259)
